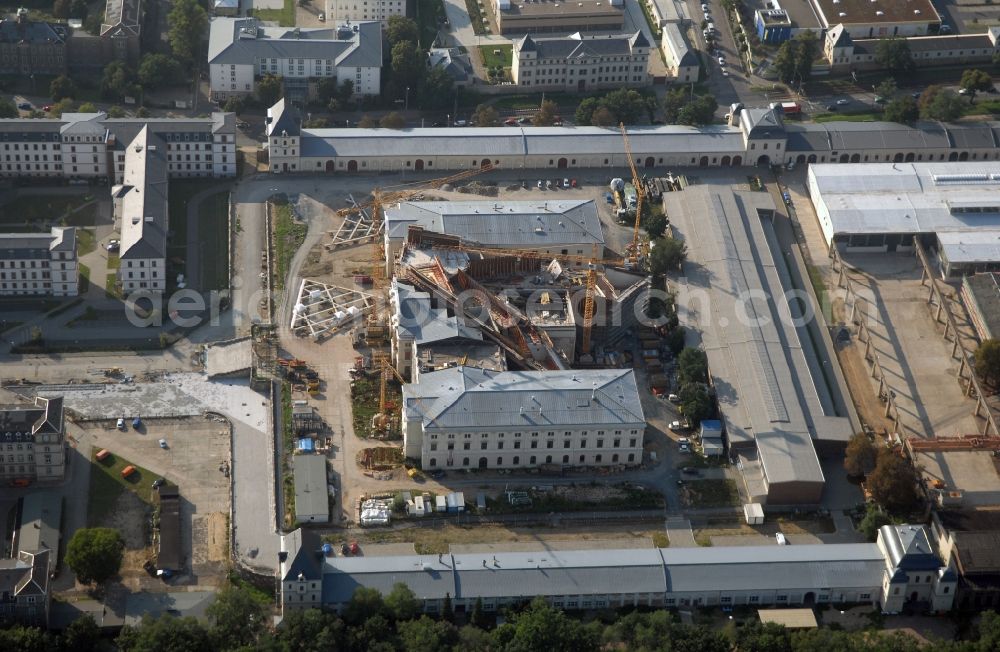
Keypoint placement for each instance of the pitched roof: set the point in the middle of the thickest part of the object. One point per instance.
(283, 119)
(43, 418)
(300, 553)
(578, 46)
(143, 196)
(246, 41)
(909, 547)
(414, 318)
(467, 397)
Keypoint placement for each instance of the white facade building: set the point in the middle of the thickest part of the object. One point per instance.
(32, 445)
(578, 63)
(682, 61)
(35, 263)
(468, 418)
(345, 11)
(242, 50)
(141, 210)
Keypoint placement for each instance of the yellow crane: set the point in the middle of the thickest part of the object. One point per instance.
(381, 361)
(633, 252)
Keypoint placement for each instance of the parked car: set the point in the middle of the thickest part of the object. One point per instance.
(683, 440)
(722, 61)
(121, 425)
(47, 108)
(566, 182)
(437, 474)
(963, 91)
(780, 538)
(678, 425)
(843, 101)
(673, 398)
(831, 107)
(690, 470)
(684, 448)
(548, 183)
(25, 106)
(460, 123)
(159, 482)
(524, 120)
(540, 184)
(345, 549)
(163, 444)
(114, 245)
(510, 122)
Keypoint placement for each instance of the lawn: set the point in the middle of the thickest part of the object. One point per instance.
(535, 101)
(288, 237)
(111, 286)
(491, 59)
(107, 484)
(713, 493)
(430, 14)
(114, 262)
(284, 16)
(848, 117)
(85, 242)
(36, 212)
(213, 238)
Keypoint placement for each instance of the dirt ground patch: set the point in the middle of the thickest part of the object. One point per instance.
(432, 540)
(130, 517)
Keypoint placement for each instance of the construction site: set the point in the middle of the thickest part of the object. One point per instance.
(464, 272)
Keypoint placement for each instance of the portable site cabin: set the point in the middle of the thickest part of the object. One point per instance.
(103, 454)
(128, 470)
(440, 504)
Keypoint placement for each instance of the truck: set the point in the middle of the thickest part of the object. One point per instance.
(787, 108)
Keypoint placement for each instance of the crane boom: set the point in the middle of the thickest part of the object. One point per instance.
(639, 195)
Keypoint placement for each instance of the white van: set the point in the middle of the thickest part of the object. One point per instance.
(710, 28)
(782, 541)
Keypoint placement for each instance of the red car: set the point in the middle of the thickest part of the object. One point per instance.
(355, 549)
(47, 108)
(510, 122)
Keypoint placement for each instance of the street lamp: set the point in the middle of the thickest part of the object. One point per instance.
(406, 104)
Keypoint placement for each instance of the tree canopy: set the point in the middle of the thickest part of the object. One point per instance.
(987, 360)
(938, 103)
(679, 107)
(186, 24)
(666, 255)
(976, 81)
(546, 116)
(692, 366)
(238, 615)
(485, 116)
(696, 402)
(62, 86)
(159, 70)
(401, 28)
(903, 110)
(270, 89)
(794, 61)
(392, 121)
(95, 554)
(893, 483)
(860, 456)
(893, 54)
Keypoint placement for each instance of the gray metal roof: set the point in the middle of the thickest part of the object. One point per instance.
(14, 246)
(480, 142)
(32, 31)
(415, 318)
(763, 373)
(122, 17)
(909, 547)
(577, 46)
(246, 41)
(517, 224)
(602, 572)
(310, 485)
(908, 198)
(464, 397)
(677, 43)
(144, 198)
(41, 513)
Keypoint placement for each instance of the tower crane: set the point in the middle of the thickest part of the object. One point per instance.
(640, 195)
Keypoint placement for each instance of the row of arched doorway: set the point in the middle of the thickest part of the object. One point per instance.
(899, 157)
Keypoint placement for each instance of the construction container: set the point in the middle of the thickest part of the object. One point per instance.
(128, 470)
(103, 454)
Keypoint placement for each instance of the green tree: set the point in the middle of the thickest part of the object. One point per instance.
(485, 116)
(86, 107)
(408, 69)
(893, 482)
(473, 639)
(427, 635)
(696, 403)
(655, 224)
(437, 91)
(763, 637)
(477, 618)
(603, 117)
(326, 89)
(784, 64)
(666, 255)
(542, 627)
(893, 54)
(7, 109)
(585, 111)
(367, 122)
(159, 70)
(886, 89)
(310, 630)
(270, 88)
(186, 24)
(115, 111)
(26, 639)
(675, 100)
(60, 8)
(364, 604)
(95, 554)
(903, 110)
(62, 86)
(402, 602)
(987, 361)
(447, 612)
(546, 116)
(692, 366)
(860, 456)
(626, 104)
(401, 28)
(699, 111)
(238, 616)
(117, 80)
(794, 61)
(392, 121)
(81, 635)
(874, 519)
(975, 81)
(944, 105)
(675, 339)
(165, 634)
(235, 105)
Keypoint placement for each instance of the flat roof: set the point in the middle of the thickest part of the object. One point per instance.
(560, 8)
(802, 14)
(310, 486)
(532, 224)
(904, 198)
(985, 291)
(765, 374)
(865, 12)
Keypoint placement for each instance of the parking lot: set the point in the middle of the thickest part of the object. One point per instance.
(196, 448)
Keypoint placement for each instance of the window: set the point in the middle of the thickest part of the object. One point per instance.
(499, 461)
(482, 446)
(432, 462)
(865, 596)
(434, 447)
(725, 599)
(754, 598)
